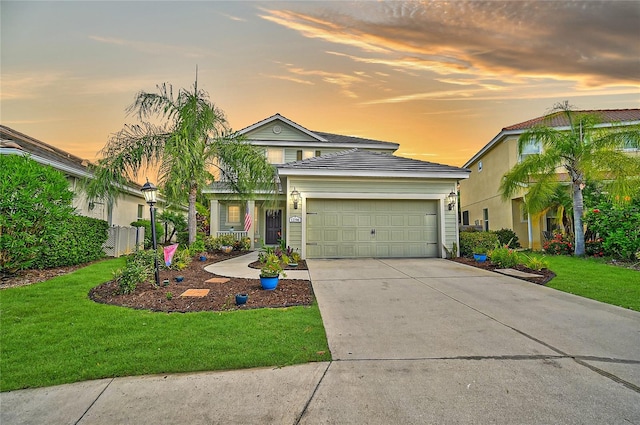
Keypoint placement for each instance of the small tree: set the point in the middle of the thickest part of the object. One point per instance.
(34, 200)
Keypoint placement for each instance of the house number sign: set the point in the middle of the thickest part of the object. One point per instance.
(295, 219)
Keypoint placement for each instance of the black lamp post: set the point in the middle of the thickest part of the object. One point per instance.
(150, 191)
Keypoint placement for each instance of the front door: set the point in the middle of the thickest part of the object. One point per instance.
(273, 227)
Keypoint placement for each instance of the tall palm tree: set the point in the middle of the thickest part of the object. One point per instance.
(192, 141)
(585, 151)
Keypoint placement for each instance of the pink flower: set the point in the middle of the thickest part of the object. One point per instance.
(596, 210)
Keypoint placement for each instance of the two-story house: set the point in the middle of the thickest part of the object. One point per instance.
(343, 197)
(480, 203)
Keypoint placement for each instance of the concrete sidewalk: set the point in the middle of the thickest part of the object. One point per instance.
(237, 267)
(413, 342)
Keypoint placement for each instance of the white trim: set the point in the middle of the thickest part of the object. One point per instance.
(436, 174)
(285, 121)
(366, 195)
(383, 146)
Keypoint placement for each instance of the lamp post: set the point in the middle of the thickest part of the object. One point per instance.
(150, 191)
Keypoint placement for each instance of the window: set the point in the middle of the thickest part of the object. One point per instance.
(465, 218)
(275, 155)
(299, 155)
(318, 153)
(140, 211)
(479, 166)
(630, 145)
(485, 217)
(233, 214)
(531, 148)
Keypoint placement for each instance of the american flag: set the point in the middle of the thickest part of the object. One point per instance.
(247, 219)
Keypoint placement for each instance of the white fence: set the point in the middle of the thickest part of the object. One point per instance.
(237, 235)
(123, 240)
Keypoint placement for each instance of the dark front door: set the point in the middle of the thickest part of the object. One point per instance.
(273, 227)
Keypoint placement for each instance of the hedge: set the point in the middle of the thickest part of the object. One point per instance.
(472, 240)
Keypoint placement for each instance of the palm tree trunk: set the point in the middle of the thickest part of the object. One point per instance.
(578, 207)
(191, 218)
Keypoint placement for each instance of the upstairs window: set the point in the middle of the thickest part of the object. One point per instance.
(533, 147)
(275, 155)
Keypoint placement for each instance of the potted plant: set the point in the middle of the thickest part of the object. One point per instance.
(294, 259)
(270, 272)
(241, 299)
(226, 249)
(480, 254)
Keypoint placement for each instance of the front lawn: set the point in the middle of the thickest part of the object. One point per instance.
(53, 334)
(593, 278)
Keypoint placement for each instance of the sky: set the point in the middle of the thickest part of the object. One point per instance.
(439, 78)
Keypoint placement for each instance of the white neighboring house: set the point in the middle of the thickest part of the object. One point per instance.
(130, 207)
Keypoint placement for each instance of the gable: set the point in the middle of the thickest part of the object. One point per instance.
(278, 130)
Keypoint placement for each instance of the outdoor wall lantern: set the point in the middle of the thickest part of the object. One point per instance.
(451, 199)
(295, 197)
(150, 192)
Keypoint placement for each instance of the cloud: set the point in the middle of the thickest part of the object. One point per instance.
(231, 17)
(591, 43)
(344, 81)
(28, 85)
(155, 48)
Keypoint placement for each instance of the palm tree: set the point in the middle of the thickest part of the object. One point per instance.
(585, 151)
(192, 140)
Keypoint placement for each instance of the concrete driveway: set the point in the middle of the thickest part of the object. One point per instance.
(432, 341)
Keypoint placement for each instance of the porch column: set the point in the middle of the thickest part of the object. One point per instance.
(214, 217)
(251, 205)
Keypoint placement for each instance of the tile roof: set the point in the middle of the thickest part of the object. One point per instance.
(362, 162)
(338, 138)
(559, 119)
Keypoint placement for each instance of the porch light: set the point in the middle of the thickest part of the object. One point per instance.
(295, 197)
(451, 199)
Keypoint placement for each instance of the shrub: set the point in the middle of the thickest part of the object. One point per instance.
(140, 266)
(472, 240)
(504, 257)
(535, 263)
(594, 248)
(559, 245)
(148, 241)
(617, 226)
(507, 237)
(34, 200)
(79, 241)
(198, 245)
(181, 259)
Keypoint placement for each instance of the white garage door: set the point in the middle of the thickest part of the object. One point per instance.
(339, 228)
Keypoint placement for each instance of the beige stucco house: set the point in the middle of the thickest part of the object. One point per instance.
(342, 197)
(131, 205)
(480, 203)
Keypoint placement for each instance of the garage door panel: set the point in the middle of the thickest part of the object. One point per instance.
(343, 228)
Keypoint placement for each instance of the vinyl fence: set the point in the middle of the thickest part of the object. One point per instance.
(123, 240)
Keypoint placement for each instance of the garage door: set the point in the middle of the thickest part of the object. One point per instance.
(339, 228)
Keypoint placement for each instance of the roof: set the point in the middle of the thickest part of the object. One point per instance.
(559, 120)
(357, 162)
(320, 138)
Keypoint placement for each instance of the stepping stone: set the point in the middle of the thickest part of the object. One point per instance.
(516, 273)
(218, 280)
(195, 293)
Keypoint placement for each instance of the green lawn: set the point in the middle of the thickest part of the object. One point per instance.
(51, 333)
(593, 278)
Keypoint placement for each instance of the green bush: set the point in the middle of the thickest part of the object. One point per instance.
(472, 240)
(198, 245)
(140, 266)
(507, 237)
(617, 226)
(79, 241)
(35, 201)
(148, 241)
(504, 257)
(535, 263)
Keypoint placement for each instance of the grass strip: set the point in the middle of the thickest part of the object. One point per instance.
(593, 278)
(52, 333)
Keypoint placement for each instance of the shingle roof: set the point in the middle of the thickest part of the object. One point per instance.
(338, 138)
(362, 162)
(559, 119)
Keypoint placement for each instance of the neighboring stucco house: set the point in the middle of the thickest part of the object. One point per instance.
(480, 203)
(343, 197)
(131, 205)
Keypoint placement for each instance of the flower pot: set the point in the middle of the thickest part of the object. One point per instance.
(269, 283)
(226, 249)
(203, 258)
(179, 279)
(293, 264)
(241, 299)
(165, 282)
(480, 258)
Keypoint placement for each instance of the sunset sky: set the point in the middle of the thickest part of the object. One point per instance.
(439, 78)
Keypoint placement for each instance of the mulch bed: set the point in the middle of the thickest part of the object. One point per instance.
(545, 274)
(221, 296)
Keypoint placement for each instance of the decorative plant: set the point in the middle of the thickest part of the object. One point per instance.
(272, 267)
(295, 257)
(480, 250)
(504, 257)
(559, 245)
